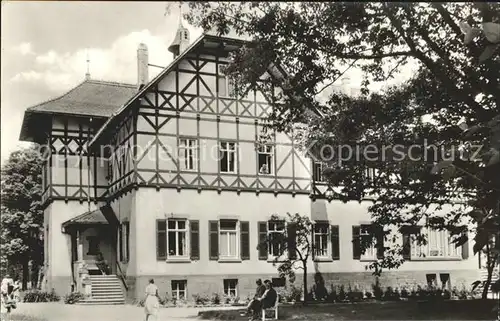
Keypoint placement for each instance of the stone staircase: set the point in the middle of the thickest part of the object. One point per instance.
(106, 290)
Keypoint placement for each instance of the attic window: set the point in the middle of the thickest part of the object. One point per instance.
(185, 35)
(226, 84)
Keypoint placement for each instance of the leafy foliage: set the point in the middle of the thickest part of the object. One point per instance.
(22, 218)
(448, 111)
(73, 297)
(295, 247)
(40, 296)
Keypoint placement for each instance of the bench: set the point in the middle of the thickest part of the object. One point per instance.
(274, 308)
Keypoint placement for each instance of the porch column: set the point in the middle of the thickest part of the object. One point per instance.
(79, 248)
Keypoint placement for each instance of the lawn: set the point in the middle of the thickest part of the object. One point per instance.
(409, 310)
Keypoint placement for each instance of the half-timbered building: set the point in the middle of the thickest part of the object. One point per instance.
(166, 180)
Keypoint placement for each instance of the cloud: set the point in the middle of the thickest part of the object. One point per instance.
(24, 49)
(60, 71)
(27, 76)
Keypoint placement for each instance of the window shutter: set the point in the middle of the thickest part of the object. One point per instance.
(465, 249)
(356, 244)
(120, 241)
(245, 240)
(406, 244)
(380, 243)
(194, 227)
(334, 235)
(161, 240)
(127, 241)
(292, 241)
(213, 240)
(262, 240)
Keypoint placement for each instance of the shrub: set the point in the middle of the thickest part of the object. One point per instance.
(368, 295)
(342, 296)
(41, 296)
(215, 299)
(404, 293)
(377, 290)
(73, 297)
(200, 299)
(332, 296)
(295, 294)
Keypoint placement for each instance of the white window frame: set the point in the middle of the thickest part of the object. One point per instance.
(439, 246)
(370, 252)
(228, 84)
(268, 151)
(176, 292)
(225, 147)
(325, 253)
(269, 232)
(231, 287)
(236, 231)
(177, 230)
(188, 149)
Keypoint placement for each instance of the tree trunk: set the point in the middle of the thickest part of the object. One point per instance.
(490, 266)
(26, 274)
(304, 264)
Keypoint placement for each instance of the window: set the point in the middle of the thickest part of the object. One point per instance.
(367, 237)
(278, 282)
(276, 235)
(179, 289)
(177, 238)
(226, 85)
(124, 241)
(370, 173)
(186, 35)
(228, 235)
(188, 154)
(227, 157)
(438, 245)
(318, 172)
(93, 245)
(321, 240)
(265, 159)
(231, 287)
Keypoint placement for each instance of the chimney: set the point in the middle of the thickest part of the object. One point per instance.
(142, 66)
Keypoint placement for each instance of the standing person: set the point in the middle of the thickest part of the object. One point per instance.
(259, 292)
(151, 302)
(4, 300)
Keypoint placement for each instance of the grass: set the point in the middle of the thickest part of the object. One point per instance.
(410, 310)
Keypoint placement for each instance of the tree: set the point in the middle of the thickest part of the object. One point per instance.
(22, 216)
(292, 249)
(456, 85)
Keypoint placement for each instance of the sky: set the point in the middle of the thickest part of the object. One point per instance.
(45, 47)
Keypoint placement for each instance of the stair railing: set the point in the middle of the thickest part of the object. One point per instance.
(121, 276)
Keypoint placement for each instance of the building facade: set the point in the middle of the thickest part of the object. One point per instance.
(167, 179)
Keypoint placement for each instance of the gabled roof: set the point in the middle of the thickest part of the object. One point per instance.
(160, 76)
(92, 217)
(275, 70)
(91, 98)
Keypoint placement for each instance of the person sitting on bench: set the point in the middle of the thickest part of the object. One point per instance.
(255, 303)
(268, 300)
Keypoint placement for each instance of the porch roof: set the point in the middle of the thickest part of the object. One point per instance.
(92, 217)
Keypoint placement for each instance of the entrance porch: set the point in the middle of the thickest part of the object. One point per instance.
(93, 246)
